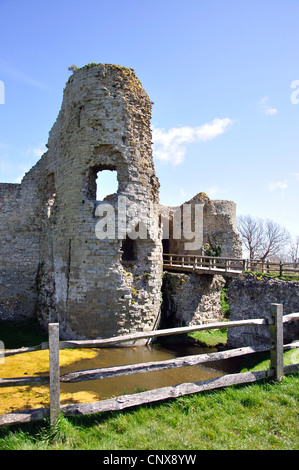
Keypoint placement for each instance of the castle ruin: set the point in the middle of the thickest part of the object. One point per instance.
(53, 264)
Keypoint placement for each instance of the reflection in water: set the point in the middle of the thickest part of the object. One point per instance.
(106, 388)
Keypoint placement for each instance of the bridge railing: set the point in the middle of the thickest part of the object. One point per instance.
(226, 264)
(202, 261)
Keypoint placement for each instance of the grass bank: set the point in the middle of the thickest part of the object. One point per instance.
(274, 275)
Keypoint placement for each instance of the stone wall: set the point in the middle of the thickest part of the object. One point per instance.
(191, 299)
(21, 221)
(218, 226)
(250, 297)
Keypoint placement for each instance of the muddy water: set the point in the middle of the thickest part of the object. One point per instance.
(116, 386)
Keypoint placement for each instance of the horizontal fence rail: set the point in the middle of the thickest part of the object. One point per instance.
(103, 343)
(225, 265)
(276, 371)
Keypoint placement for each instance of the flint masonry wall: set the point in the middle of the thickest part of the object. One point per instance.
(21, 218)
(250, 297)
(219, 226)
(191, 299)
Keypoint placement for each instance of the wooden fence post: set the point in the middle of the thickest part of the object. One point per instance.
(195, 264)
(276, 335)
(53, 329)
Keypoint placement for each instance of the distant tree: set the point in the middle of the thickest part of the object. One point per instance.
(251, 232)
(262, 238)
(294, 250)
(276, 237)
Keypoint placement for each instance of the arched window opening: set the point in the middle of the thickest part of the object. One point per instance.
(106, 184)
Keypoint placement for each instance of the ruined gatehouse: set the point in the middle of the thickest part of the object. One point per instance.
(53, 264)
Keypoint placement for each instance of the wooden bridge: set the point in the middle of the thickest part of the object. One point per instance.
(203, 264)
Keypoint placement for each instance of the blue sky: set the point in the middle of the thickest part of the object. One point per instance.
(218, 71)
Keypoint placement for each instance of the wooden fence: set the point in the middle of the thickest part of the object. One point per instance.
(276, 371)
(268, 267)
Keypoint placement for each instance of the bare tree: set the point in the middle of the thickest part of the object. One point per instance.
(294, 250)
(251, 232)
(275, 238)
(262, 238)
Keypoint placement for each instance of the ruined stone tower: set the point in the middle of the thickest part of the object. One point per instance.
(101, 287)
(97, 287)
(95, 266)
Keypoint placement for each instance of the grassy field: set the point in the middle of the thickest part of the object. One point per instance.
(259, 416)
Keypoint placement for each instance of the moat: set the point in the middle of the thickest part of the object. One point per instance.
(116, 386)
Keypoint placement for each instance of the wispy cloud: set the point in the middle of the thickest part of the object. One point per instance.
(33, 154)
(215, 191)
(36, 152)
(183, 193)
(15, 162)
(170, 146)
(266, 108)
(278, 185)
(21, 76)
(286, 183)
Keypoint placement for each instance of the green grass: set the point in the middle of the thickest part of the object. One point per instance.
(210, 338)
(214, 337)
(274, 275)
(261, 361)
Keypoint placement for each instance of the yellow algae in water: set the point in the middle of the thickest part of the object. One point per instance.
(34, 364)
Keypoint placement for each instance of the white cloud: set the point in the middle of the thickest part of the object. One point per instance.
(278, 185)
(271, 111)
(20, 76)
(266, 109)
(36, 152)
(16, 161)
(10, 171)
(19, 178)
(284, 184)
(39, 151)
(170, 146)
(183, 193)
(215, 191)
